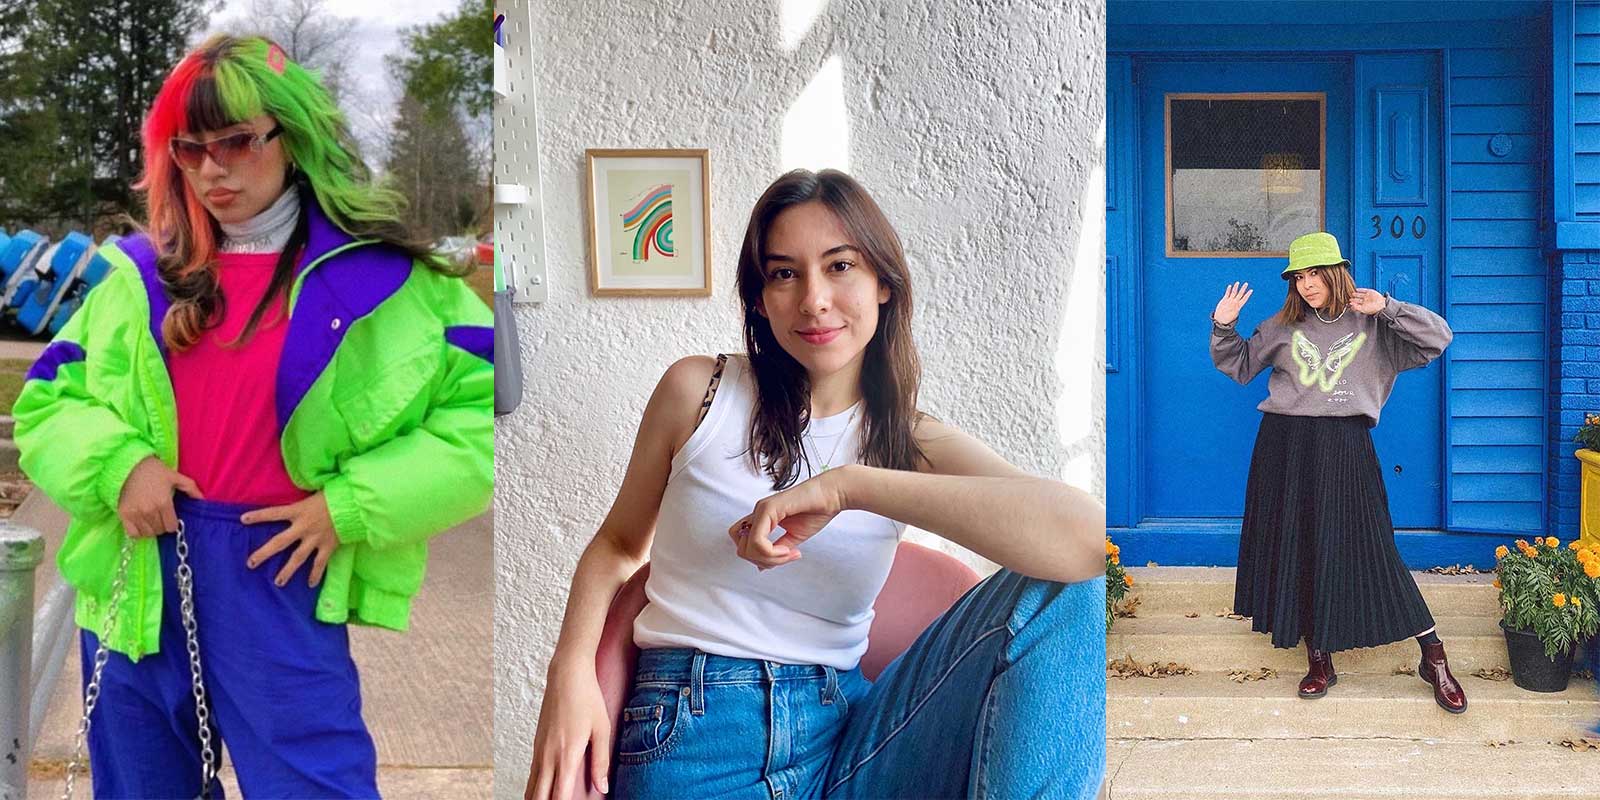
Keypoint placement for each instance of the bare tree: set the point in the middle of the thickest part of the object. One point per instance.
(312, 35)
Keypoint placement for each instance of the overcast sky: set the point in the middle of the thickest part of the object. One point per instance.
(377, 27)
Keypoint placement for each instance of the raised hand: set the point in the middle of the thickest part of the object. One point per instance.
(1368, 301)
(1232, 300)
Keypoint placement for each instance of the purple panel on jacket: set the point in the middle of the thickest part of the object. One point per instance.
(53, 357)
(143, 254)
(475, 339)
(339, 292)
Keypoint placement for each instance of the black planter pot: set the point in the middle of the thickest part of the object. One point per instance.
(1531, 668)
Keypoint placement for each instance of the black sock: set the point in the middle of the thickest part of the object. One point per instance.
(1431, 637)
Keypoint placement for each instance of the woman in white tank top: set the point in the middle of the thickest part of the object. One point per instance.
(768, 491)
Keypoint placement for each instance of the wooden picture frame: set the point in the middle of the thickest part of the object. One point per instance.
(649, 222)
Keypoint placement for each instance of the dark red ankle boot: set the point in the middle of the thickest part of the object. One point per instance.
(1447, 692)
(1320, 675)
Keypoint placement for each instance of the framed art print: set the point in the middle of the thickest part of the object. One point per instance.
(649, 222)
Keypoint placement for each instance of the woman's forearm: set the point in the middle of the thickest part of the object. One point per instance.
(602, 569)
(1040, 528)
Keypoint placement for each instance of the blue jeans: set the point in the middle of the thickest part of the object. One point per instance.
(1003, 696)
(281, 686)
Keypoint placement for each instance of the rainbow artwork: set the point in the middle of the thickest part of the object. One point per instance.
(651, 223)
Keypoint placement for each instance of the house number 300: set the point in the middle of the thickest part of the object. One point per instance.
(1397, 227)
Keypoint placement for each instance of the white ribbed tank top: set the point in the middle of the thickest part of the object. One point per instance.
(703, 595)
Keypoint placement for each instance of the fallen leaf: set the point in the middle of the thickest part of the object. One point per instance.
(1583, 673)
(1192, 615)
(1125, 667)
(1457, 570)
(1492, 674)
(1228, 612)
(1151, 564)
(1405, 669)
(1499, 743)
(1240, 676)
(1127, 608)
(1581, 744)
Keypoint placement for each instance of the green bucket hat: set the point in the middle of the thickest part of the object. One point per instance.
(1318, 249)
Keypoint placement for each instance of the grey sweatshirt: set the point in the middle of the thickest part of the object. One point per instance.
(1333, 369)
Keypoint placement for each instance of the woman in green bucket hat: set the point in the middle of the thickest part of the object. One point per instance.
(1317, 557)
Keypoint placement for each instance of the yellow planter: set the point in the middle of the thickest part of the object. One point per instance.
(1589, 497)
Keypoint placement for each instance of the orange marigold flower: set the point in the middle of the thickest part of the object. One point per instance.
(1116, 559)
(1497, 583)
(1592, 568)
(1575, 544)
(1559, 600)
(1552, 541)
(1127, 580)
(1109, 546)
(1522, 544)
(1501, 551)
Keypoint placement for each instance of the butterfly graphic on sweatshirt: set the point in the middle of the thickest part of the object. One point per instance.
(1324, 371)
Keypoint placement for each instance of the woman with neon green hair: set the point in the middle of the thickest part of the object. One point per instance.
(278, 376)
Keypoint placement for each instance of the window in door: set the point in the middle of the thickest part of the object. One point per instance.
(1245, 172)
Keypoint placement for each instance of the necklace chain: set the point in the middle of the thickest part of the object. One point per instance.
(842, 432)
(1318, 312)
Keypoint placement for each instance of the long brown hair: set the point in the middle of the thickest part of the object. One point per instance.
(890, 371)
(1341, 287)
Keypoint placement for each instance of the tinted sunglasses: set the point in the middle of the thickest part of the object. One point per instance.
(228, 151)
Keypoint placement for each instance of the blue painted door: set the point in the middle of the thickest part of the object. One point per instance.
(1199, 425)
(1396, 249)
(1223, 187)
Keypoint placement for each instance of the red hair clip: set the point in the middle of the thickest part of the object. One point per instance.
(276, 58)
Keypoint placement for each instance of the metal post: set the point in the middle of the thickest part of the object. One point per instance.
(21, 549)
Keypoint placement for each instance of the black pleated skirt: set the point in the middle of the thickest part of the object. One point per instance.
(1317, 557)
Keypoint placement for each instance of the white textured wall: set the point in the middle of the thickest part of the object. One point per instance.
(978, 127)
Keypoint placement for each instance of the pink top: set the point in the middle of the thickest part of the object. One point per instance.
(227, 424)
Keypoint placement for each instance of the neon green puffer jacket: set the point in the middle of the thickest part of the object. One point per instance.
(384, 395)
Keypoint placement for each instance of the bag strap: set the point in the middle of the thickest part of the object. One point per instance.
(711, 390)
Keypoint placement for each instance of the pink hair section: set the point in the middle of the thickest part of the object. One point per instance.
(162, 181)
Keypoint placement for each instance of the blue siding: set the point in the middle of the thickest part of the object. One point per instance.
(1496, 289)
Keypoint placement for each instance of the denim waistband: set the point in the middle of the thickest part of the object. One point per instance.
(695, 670)
(681, 665)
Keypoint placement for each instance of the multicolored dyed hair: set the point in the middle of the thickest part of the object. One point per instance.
(225, 81)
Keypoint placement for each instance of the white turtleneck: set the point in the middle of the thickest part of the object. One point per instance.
(266, 232)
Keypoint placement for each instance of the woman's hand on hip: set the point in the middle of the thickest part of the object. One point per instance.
(310, 531)
(1232, 300)
(145, 504)
(801, 511)
(573, 718)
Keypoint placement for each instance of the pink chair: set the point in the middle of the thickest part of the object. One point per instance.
(922, 584)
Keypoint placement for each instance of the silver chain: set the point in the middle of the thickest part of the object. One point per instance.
(91, 694)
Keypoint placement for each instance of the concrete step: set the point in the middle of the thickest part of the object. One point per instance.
(1314, 769)
(1212, 706)
(8, 426)
(1207, 590)
(8, 455)
(1209, 643)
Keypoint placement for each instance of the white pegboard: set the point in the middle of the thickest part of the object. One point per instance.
(519, 226)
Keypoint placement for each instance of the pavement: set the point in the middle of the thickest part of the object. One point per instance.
(21, 348)
(428, 694)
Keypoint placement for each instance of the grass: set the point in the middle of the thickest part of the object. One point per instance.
(12, 371)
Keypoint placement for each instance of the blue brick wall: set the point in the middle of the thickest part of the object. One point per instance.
(1574, 376)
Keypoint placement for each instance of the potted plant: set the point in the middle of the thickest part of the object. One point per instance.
(1549, 602)
(1118, 581)
(1589, 480)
